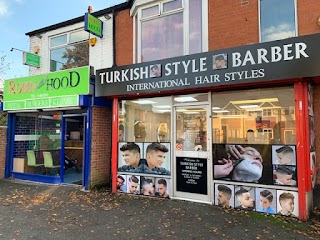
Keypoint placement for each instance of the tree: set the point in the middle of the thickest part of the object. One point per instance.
(4, 65)
(77, 56)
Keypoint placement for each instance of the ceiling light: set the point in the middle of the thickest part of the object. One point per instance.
(163, 106)
(215, 108)
(248, 106)
(185, 99)
(144, 102)
(162, 110)
(220, 111)
(255, 101)
(233, 116)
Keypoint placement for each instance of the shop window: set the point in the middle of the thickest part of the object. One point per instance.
(258, 144)
(145, 147)
(69, 50)
(168, 29)
(145, 120)
(277, 19)
(36, 134)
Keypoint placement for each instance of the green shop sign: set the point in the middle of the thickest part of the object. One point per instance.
(57, 89)
(93, 25)
(31, 59)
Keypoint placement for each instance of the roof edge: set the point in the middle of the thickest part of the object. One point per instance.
(99, 13)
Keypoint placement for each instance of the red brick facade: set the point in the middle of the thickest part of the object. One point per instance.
(3, 140)
(124, 38)
(101, 147)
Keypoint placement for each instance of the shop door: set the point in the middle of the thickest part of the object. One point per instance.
(192, 161)
(74, 148)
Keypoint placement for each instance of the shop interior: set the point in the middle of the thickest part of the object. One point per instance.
(38, 145)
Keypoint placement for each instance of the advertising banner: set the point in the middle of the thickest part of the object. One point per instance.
(55, 89)
(277, 60)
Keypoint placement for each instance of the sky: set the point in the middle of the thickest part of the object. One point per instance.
(18, 17)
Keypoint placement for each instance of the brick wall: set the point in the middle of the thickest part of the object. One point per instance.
(308, 13)
(232, 23)
(316, 103)
(101, 147)
(3, 141)
(124, 38)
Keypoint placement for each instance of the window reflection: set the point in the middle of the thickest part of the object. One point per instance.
(145, 120)
(277, 19)
(161, 30)
(260, 116)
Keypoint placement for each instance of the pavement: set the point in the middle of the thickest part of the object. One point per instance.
(39, 211)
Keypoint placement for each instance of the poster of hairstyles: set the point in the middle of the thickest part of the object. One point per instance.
(284, 155)
(224, 195)
(313, 168)
(266, 200)
(245, 198)
(287, 203)
(147, 186)
(254, 165)
(133, 184)
(129, 155)
(156, 158)
(163, 187)
(285, 175)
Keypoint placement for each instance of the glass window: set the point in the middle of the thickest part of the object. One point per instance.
(151, 11)
(195, 27)
(36, 137)
(145, 120)
(78, 36)
(162, 37)
(58, 41)
(169, 6)
(163, 34)
(69, 54)
(277, 19)
(254, 136)
(235, 113)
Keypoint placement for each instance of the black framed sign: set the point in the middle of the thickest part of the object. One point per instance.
(191, 175)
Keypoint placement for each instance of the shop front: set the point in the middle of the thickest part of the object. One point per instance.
(48, 134)
(231, 127)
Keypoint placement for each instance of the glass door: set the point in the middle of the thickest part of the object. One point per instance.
(191, 155)
(74, 148)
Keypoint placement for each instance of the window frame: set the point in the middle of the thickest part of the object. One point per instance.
(136, 13)
(295, 18)
(65, 44)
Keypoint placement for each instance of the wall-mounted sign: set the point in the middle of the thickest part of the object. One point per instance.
(31, 59)
(93, 25)
(56, 89)
(277, 60)
(191, 174)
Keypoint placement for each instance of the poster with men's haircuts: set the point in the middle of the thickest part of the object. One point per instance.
(129, 155)
(244, 198)
(121, 183)
(156, 158)
(133, 184)
(287, 203)
(243, 163)
(266, 200)
(285, 175)
(224, 195)
(163, 187)
(147, 186)
(313, 167)
(284, 155)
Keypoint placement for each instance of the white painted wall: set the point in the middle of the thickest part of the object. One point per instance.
(100, 56)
